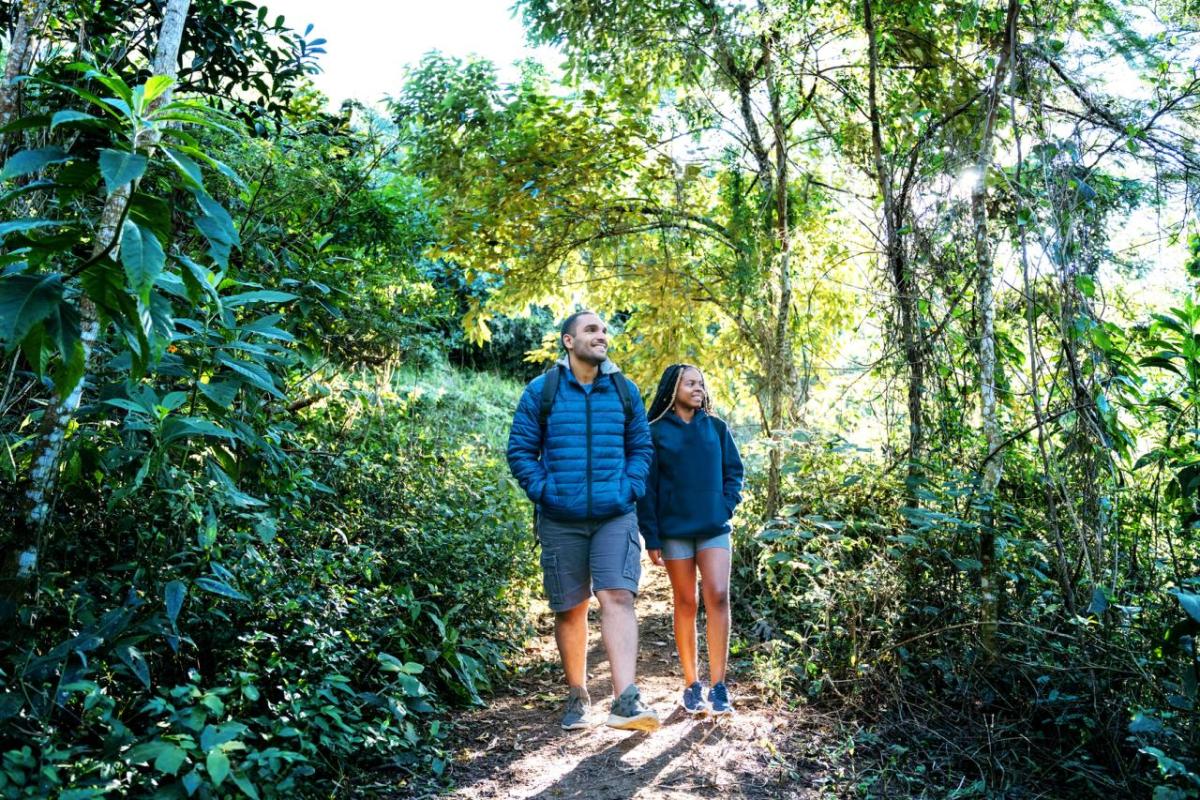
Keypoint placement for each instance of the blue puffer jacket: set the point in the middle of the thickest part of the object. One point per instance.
(589, 466)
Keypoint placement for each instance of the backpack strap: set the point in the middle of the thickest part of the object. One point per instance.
(622, 387)
(549, 392)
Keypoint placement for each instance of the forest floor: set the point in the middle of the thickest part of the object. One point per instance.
(514, 748)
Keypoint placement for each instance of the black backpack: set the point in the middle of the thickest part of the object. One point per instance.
(550, 392)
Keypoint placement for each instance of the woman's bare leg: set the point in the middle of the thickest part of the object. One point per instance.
(714, 583)
(682, 572)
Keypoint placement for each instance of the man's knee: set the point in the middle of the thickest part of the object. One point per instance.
(573, 614)
(615, 598)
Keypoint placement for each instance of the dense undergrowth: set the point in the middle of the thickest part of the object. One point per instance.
(851, 606)
(283, 658)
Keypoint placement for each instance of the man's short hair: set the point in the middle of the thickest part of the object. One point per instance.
(568, 326)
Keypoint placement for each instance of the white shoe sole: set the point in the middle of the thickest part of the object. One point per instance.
(642, 722)
(577, 726)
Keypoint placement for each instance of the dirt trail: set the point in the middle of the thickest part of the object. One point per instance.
(514, 748)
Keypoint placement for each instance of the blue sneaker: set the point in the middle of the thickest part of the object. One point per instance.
(693, 699)
(718, 700)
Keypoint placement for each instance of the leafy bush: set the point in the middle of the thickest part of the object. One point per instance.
(281, 653)
(818, 583)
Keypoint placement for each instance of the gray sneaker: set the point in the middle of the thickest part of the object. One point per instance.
(629, 713)
(575, 716)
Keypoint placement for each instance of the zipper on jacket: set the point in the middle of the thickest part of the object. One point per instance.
(587, 405)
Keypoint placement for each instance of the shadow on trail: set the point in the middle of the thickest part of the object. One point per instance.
(587, 781)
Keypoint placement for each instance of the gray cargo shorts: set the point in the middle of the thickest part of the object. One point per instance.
(579, 558)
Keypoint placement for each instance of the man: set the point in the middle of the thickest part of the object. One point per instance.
(581, 448)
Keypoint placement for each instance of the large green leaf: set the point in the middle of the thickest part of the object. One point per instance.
(170, 760)
(153, 213)
(162, 323)
(27, 161)
(218, 766)
(260, 296)
(212, 208)
(111, 80)
(37, 349)
(216, 586)
(148, 751)
(253, 373)
(173, 594)
(167, 757)
(104, 283)
(70, 369)
(219, 166)
(217, 226)
(120, 167)
(223, 393)
(26, 300)
(26, 123)
(217, 735)
(187, 427)
(198, 280)
(68, 116)
(133, 658)
(1190, 603)
(142, 256)
(62, 324)
(245, 785)
(22, 225)
(189, 169)
(155, 86)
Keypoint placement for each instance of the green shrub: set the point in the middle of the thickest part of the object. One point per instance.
(819, 583)
(277, 653)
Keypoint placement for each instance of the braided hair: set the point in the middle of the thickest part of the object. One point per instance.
(668, 385)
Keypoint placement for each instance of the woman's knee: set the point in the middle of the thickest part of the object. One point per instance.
(716, 598)
(686, 603)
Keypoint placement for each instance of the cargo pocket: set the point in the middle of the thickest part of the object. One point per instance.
(633, 553)
(551, 580)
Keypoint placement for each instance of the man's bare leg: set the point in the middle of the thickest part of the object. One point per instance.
(571, 635)
(618, 626)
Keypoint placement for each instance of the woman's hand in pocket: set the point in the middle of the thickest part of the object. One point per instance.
(656, 557)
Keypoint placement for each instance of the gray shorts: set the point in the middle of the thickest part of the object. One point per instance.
(673, 549)
(579, 558)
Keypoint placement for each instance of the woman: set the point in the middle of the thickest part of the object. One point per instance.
(695, 484)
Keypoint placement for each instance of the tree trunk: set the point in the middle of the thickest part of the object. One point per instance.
(19, 53)
(987, 347)
(1054, 514)
(43, 478)
(783, 368)
(898, 270)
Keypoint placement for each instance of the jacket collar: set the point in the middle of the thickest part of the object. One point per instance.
(607, 367)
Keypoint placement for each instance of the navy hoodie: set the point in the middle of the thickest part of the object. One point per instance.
(695, 480)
